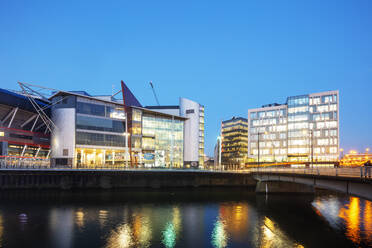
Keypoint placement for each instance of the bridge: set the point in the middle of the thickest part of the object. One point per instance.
(349, 180)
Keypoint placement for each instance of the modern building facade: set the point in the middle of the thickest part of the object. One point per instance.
(305, 128)
(101, 131)
(234, 134)
(193, 113)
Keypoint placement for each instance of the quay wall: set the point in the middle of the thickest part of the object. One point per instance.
(96, 179)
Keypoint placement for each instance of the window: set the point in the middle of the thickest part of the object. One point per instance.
(90, 109)
(189, 111)
(98, 139)
(99, 124)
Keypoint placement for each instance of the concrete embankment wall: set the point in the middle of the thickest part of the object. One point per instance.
(37, 179)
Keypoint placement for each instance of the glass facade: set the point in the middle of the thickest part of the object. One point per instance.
(234, 141)
(306, 125)
(101, 138)
(162, 141)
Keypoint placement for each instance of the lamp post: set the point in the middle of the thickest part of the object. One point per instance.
(342, 153)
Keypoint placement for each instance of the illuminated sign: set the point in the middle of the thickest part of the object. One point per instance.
(148, 156)
(117, 115)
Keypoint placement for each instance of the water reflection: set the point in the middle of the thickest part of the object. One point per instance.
(353, 214)
(250, 222)
(102, 216)
(219, 235)
(121, 237)
(273, 236)
(79, 218)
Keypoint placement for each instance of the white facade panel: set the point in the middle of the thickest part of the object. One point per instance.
(190, 110)
(63, 136)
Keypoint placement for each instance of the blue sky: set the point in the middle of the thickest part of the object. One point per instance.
(228, 55)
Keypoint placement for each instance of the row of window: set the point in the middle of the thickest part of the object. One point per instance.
(100, 110)
(323, 99)
(83, 138)
(268, 113)
(99, 124)
(324, 116)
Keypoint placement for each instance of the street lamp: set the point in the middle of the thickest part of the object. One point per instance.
(367, 150)
(342, 153)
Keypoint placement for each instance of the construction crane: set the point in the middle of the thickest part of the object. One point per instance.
(153, 90)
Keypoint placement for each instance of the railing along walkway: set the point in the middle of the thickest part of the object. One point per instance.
(345, 172)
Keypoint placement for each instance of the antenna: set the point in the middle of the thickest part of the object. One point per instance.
(153, 90)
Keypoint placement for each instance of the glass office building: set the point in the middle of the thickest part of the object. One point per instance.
(305, 128)
(234, 134)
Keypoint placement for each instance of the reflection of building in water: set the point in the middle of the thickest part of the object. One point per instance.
(351, 215)
(169, 235)
(135, 230)
(272, 236)
(79, 218)
(355, 215)
(236, 219)
(142, 229)
(61, 222)
(368, 220)
(194, 219)
(102, 217)
(122, 237)
(219, 235)
(172, 229)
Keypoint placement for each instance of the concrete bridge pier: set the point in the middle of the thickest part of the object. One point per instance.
(270, 187)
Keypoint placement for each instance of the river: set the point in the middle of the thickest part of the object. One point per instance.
(234, 217)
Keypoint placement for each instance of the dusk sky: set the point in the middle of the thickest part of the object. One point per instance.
(227, 55)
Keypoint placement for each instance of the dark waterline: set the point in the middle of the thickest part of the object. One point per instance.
(232, 217)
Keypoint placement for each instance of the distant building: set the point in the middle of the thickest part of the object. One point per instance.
(234, 141)
(193, 129)
(293, 131)
(354, 158)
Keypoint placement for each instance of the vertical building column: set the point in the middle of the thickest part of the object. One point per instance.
(104, 157)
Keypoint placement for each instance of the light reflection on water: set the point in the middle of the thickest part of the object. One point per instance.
(354, 215)
(252, 222)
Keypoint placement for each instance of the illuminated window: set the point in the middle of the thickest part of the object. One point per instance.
(2, 134)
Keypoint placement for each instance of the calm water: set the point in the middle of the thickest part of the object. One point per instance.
(188, 218)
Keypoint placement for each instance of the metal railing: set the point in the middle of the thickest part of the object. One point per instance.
(24, 163)
(350, 172)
